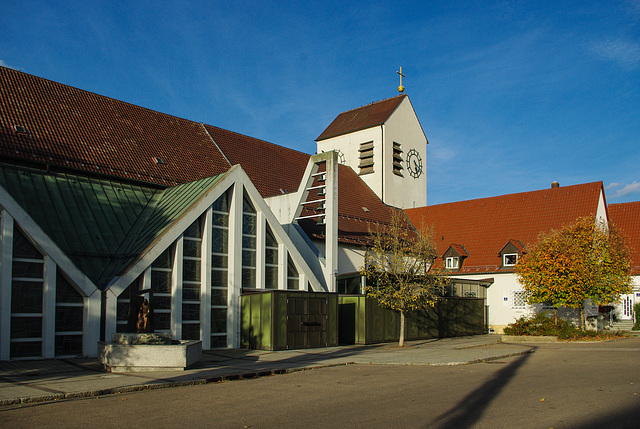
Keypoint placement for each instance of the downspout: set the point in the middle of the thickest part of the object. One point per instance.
(383, 156)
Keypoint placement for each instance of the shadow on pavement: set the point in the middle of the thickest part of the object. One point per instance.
(468, 411)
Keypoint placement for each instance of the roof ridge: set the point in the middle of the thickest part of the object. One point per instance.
(535, 191)
(374, 102)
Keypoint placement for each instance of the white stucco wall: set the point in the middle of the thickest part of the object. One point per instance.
(350, 257)
(403, 127)
(500, 299)
(349, 145)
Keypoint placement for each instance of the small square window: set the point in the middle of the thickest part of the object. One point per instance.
(519, 300)
(451, 263)
(509, 259)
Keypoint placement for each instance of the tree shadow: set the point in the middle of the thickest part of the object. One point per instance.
(468, 411)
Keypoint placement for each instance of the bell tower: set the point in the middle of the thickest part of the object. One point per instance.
(385, 144)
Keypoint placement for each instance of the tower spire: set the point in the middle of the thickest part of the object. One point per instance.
(400, 88)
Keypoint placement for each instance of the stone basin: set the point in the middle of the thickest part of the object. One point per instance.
(148, 352)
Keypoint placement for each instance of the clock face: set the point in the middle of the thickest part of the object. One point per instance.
(340, 156)
(414, 163)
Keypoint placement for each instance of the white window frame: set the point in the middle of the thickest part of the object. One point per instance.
(504, 259)
(521, 299)
(452, 262)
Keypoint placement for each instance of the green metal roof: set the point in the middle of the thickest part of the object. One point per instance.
(101, 224)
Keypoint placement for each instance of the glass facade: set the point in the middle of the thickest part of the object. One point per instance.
(249, 238)
(27, 291)
(219, 269)
(191, 281)
(270, 260)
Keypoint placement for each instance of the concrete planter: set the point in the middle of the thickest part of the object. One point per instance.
(127, 356)
(529, 339)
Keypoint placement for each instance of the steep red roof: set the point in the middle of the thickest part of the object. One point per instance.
(272, 168)
(484, 226)
(362, 118)
(626, 216)
(72, 128)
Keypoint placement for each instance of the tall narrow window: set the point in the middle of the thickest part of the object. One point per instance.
(191, 274)
(271, 260)
(69, 319)
(126, 314)
(27, 288)
(366, 158)
(293, 278)
(397, 159)
(161, 270)
(219, 270)
(249, 239)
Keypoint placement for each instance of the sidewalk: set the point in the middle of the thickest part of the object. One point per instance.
(49, 380)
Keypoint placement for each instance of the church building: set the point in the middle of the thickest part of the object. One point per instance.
(104, 204)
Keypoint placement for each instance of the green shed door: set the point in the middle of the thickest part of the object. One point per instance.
(307, 322)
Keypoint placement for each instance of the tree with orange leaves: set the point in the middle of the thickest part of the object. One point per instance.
(399, 269)
(584, 260)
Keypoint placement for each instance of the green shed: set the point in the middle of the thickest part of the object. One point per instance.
(363, 321)
(283, 319)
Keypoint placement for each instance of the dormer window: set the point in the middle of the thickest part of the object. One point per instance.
(454, 257)
(509, 259)
(511, 252)
(452, 263)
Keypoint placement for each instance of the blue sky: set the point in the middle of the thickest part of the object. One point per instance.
(512, 95)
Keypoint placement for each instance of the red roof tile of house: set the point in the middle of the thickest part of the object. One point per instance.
(484, 226)
(626, 216)
(362, 118)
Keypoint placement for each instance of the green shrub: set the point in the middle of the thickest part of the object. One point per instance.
(545, 324)
(636, 309)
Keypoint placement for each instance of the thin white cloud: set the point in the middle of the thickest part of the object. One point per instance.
(625, 53)
(3, 64)
(611, 186)
(627, 189)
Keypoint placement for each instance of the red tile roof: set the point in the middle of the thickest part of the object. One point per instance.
(359, 210)
(362, 118)
(270, 167)
(484, 226)
(626, 216)
(72, 128)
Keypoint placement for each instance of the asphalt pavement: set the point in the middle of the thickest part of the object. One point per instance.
(57, 379)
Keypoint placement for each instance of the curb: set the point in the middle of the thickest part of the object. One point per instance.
(152, 386)
(518, 339)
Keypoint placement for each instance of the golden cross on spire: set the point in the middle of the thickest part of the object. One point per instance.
(400, 88)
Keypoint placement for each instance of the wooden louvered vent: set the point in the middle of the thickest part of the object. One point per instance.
(366, 158)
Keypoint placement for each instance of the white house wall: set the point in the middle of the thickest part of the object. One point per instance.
(500, 299)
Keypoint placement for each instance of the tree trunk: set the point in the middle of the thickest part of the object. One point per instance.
(582, 322)
(401, 341)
